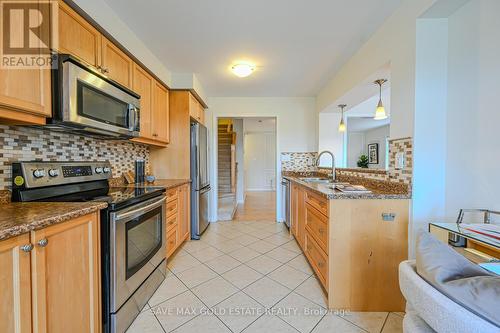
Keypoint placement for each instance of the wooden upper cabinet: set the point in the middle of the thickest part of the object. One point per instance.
(78, 37)
(66, 277)
(201, 113)
(25, 94)
(196, 109)
(143, 85)
(160, 113)
(116, 64)
(15, 300)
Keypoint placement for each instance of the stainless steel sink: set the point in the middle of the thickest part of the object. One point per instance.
(316, 180)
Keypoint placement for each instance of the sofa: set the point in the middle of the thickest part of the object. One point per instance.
(428, 310)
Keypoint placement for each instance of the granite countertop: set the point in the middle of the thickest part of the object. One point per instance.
(330, 194)
(166, 183)
(17, 218)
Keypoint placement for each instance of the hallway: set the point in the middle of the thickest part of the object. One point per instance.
(258, 206)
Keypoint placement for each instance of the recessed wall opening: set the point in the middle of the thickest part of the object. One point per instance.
(246, 168)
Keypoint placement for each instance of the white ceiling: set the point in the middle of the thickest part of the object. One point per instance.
(297, 44)
(365, 124)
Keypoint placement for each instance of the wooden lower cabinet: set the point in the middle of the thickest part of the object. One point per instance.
(178, 212)
(15, 282)
(51, 279)
(66, 277)
(354, 253)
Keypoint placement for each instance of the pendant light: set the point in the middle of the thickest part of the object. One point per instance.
(342, 124)
(380, 112)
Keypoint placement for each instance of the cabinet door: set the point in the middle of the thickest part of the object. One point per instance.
(194, 109)
(78, 37)
(301, 216)
(15, 297)
(201, 113)
(66, 277)
(116, 64)
(293, 209)
(143, 85)
(25, 94)
(184, 212)
(160, 113)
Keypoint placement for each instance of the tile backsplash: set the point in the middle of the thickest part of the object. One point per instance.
(301, 162)
(298, 162)
(30, 144)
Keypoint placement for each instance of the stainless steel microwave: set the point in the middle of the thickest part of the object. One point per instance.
(88, 103)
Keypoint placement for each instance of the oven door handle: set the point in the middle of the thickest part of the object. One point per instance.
(139, 211)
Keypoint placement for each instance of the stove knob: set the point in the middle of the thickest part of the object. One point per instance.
(98, 170)
(39, 173)
(107, 169)
(53, 172)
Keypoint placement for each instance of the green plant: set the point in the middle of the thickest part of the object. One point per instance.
(363, 161)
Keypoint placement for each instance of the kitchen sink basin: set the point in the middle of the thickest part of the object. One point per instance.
(316, 180)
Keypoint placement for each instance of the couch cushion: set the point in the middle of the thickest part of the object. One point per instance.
(461, 280)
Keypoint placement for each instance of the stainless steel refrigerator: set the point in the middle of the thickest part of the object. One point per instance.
(200, 186)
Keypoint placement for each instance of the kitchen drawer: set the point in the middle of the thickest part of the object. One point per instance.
(171, 241)
(317, 226)
(317, 201)
(172, 194)
(172, 207)
(317, 258)
(171, 222)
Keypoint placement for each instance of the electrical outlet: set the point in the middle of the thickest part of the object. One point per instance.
(400, 161)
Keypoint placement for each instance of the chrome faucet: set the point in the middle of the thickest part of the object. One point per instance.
(333, 162)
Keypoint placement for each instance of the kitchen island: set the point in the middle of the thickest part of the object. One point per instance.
(353, 241)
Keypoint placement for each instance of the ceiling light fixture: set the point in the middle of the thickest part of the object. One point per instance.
(342, 124)
(380, 112)
(243, 69)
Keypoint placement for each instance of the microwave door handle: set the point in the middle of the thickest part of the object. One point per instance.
(133, 117)
(136, 119)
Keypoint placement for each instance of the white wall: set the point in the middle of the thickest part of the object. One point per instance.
(394, 43)
(296, 129)
(330, 139)
(240, 172)
(429, 146)
(260, 161)
(473, 136)
(377, 135)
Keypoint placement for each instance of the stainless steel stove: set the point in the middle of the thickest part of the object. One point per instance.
(133, 245)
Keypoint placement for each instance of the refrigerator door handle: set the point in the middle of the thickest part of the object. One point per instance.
(205, 190)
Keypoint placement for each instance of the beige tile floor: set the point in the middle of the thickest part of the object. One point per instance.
(248, 276)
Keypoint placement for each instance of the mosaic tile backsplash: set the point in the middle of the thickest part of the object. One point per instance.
(301, 162)
(34, 144)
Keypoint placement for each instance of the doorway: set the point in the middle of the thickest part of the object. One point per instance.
(246, 169)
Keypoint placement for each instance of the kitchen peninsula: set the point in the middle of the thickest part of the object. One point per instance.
(352, 238)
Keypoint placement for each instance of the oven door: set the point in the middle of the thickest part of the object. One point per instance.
(137, 247)
(91, 101)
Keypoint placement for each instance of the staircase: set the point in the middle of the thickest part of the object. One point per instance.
(225, 139)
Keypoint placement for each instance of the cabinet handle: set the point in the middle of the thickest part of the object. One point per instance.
(321, 230)
(321, 264)
(27, 248)
(43, 242)
(105, 70)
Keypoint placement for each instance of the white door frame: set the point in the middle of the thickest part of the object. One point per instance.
(214, 199)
